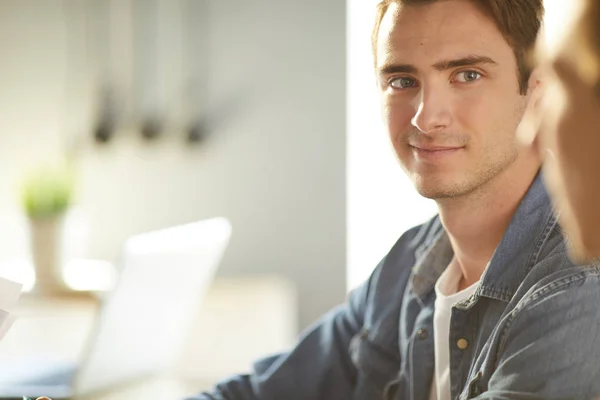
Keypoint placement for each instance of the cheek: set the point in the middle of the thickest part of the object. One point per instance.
(468, 115)
(553, 119)
(397, 115)
(575, 127)
(554, 116)
(477, 118)
(559, 123)
(477, 109)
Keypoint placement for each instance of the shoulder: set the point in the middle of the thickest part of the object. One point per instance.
(389, 278)
(568, 286)
(552, 272)
(549, 343)
(407, 249)
(393, 270)
(565, 303)
(555, 287)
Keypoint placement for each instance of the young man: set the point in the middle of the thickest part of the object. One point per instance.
(568, 119)
(482, 301)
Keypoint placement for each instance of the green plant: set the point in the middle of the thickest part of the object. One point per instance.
(47, 191)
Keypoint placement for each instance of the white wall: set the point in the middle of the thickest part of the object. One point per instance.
(382, 203)
(276, 168)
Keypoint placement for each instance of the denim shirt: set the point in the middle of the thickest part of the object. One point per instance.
(530, 331)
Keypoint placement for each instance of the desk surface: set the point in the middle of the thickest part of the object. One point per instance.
(55, 327)
(249, 317)
(59, 328)
(162, 389)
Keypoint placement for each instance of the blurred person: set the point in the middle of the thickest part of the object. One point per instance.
(564, 122)
(482, 301)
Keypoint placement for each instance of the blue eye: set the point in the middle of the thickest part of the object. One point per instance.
(468, 76)
(403, 83)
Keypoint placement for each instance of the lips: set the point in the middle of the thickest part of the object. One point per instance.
(434, 154)
(435, 148)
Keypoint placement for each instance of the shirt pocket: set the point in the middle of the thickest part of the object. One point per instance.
(377, 366)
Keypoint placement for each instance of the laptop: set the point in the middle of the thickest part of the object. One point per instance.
(142, 323)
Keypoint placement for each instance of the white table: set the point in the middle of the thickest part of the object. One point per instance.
(249, 317)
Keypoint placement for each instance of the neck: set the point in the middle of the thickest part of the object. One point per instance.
(476, 222)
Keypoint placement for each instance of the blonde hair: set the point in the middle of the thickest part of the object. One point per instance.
(588, 57)
(574, 36)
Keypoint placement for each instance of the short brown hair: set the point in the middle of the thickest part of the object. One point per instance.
(518, 20)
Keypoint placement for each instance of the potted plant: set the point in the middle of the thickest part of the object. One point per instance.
(47, 194)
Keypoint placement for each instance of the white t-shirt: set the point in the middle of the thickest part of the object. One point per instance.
(446, 296)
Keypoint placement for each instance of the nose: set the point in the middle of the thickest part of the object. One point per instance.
(433, 111)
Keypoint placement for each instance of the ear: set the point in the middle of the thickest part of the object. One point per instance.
(535, 81)
(529, 125)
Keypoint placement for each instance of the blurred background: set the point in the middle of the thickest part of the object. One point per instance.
(123, 116)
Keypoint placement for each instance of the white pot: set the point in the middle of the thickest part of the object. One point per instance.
(46, 239)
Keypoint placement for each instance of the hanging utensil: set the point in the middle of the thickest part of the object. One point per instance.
(98, 23)
(147, 77)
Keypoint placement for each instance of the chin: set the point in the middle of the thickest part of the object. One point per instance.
(437, 192)
(439, 186)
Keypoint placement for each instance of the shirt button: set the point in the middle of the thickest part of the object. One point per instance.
(422, 334)
(462, 344)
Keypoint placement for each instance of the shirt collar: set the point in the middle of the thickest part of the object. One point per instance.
(433, 256)
(519, 249)
(516, 254)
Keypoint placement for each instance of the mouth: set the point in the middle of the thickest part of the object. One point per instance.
(428, 153)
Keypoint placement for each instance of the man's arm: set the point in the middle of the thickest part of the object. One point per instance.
(318, 368)
(552, 344)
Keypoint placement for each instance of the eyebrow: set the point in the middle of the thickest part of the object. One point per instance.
(463, 62)
(442, 65)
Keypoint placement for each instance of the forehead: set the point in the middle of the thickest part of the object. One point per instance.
(439, 30)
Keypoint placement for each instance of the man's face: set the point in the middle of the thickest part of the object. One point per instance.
(450, 95)
(566, 121)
